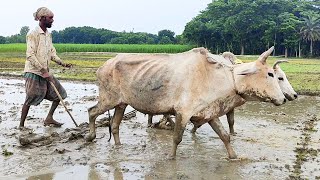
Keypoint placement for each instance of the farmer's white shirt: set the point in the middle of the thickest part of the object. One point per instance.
(40, 51)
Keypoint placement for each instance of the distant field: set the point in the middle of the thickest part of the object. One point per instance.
(303, 74)
(120, 48)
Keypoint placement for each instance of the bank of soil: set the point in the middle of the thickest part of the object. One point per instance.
(271, 142)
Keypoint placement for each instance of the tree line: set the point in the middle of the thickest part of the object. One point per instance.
(239, 26)
(90, 35)
(251, 26)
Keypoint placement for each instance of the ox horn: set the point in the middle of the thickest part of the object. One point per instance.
(263, 57)
(278, 62)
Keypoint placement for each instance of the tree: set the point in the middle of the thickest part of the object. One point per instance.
(166, 33)
(310, 30)
(288, 28)
(2, 40)
(250, 26)
(165, 40)
(119, 40)
(24, 30)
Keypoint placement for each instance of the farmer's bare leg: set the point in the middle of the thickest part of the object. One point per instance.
(49, 119)
(24, 113)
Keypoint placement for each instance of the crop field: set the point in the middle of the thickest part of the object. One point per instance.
(119, 48)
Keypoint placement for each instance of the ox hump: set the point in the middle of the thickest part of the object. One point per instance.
(200, 50)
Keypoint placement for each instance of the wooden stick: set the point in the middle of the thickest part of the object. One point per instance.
(61, 100)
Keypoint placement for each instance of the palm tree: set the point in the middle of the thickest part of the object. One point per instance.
(310, 30)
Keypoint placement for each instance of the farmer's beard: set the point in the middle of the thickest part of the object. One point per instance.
(48, 25)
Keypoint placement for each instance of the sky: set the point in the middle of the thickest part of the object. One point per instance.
(148, 16)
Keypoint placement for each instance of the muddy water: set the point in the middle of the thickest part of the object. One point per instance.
(266, 142)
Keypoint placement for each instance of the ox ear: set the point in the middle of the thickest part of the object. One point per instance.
(278, 62)
(204, 51)
(230, 57)
(263, 57)
(248, 71)
(211, 59)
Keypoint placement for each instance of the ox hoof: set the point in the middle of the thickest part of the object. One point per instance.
(193, 131)
(171, 157)
(152, 125)
(233, 157)
(90, 137)
(117, 144)
(233, 133)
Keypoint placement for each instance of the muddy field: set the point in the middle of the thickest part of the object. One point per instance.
(271, 142)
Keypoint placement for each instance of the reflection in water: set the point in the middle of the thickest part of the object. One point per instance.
(92, 172)
(48, 176)
(118, 174)
(76, 172)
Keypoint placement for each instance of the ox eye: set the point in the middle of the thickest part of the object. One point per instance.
(280, 78)
(270, 74)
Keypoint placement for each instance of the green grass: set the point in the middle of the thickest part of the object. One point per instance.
(303, 74)
(84, 65)
(123, 48)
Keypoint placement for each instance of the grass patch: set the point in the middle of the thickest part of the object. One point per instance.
(5, 152)
(123, 48)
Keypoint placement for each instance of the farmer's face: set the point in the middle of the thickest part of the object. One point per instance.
(48, 20)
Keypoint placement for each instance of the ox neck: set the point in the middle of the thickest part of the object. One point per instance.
(232, 81)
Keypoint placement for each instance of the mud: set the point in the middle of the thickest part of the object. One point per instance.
(271, 142)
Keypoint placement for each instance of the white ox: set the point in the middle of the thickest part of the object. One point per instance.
(229, 59)
(284, 84)
(183, 84)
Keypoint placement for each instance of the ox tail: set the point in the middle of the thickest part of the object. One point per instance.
(110, 123)
(109, 132)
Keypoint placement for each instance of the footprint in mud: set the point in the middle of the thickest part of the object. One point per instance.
(304, 153)
(238, 159)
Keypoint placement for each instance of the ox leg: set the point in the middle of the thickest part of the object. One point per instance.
(179, 128)
(196, 124)
(94, 112)
(195, 127)
(224, 136)
(168, 118)
(118, 115)
(230, 118)
(150, 116)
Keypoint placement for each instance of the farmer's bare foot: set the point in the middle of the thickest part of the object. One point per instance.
(22, 128)
(52, 122)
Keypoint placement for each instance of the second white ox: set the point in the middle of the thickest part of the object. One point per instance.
(183, 85)
(230, 58)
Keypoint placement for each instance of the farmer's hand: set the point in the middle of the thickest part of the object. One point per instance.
(49, 77)
(46, 75)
